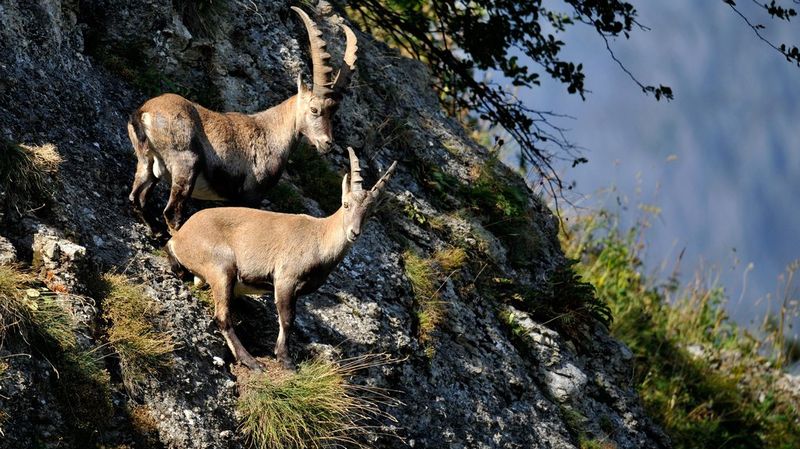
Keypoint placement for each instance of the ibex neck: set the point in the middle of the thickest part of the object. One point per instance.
(280, 121)
(334, 239)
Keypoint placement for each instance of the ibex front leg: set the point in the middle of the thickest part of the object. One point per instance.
(285, 301)
(222, 289)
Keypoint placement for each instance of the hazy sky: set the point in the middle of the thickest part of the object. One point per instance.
(734, 129)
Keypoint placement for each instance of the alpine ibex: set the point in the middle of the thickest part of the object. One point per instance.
(238, 250)
(232, 156)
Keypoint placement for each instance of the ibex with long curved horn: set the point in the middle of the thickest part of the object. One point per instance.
(233, 156)
(242, 251)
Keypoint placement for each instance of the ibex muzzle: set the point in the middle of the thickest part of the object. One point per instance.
(232, 156)
(242, 251)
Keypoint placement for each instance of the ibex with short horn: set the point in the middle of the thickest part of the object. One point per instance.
(245, 251)
(232, 156)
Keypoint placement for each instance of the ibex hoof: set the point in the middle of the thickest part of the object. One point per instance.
(253, 365)
(287, 364)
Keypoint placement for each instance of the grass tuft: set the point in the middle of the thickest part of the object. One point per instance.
(143, 350)
(25, 175)
(313, 408)
(427, 275)
(451, 259)
(41, 318)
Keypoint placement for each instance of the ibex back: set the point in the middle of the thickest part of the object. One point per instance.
(232, 156)
(240, 251)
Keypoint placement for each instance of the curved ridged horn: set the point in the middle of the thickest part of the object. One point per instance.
(319, 56)
(348, 62)
(376, 189)
(355, 172)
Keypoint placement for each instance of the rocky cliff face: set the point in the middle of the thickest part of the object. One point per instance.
(491, 374)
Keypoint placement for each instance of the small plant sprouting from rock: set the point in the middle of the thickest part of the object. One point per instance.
(427, 275)
(422, 274)
(313, 408)
(26, 175)
(143, 350)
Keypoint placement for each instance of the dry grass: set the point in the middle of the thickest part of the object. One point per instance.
(3, 414)
(26, 175)
(422, 273)
(451, 259)
(26, 309)
(313, 408)
(13, 311)
(143, 350)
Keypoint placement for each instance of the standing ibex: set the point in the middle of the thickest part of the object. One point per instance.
(233, 156)
(242, 251)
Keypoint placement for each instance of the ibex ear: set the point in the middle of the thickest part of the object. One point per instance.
(300, 86)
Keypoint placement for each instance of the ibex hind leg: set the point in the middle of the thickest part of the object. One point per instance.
(222, 289)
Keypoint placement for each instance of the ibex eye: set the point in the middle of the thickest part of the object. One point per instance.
(346, 205)
(314, 111)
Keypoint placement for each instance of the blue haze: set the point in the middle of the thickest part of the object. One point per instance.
(730, 192)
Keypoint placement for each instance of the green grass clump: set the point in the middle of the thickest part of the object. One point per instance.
(427, 275)
(284, 198)
(423, 275)
(310, 409)
(26, 175)
(711, 401)
(316, 178)
(40, 317)
(143, 350)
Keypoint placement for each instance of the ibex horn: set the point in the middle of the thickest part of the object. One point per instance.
(348, 63)
(319, 56)
(376, 189)
(355, 172)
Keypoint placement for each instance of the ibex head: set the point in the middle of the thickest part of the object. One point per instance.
(356, 201)
(315, 106)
